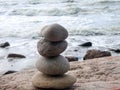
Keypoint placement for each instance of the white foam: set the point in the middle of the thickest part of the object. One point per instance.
(25, 18)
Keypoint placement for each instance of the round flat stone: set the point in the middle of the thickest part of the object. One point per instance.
(49, 49)
(54, 32)
(40, 80)
(53, 66)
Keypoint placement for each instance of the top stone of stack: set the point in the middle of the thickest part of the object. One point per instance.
(54, 33)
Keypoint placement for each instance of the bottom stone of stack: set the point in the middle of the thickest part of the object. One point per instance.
(41, 80)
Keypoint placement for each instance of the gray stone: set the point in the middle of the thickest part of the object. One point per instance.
(54, 32)
(40, 80)
(53, 66)
(96, 54)
(49, 49)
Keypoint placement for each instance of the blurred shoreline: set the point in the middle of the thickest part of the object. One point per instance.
(28, 48)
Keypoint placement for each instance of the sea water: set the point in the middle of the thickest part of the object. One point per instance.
(97, 21)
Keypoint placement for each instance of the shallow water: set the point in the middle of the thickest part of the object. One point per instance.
(28, 48)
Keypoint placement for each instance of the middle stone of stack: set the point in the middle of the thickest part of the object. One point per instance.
(50, 48)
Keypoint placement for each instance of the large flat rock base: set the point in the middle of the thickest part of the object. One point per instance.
(94, 74)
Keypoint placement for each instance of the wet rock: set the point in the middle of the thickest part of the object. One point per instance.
(53, 66)
(54, 32)
(49, 49)
(75, 50)
(71, 58)
(56, 82)
(13, 55)
(115, 50)
(9, 72)
(87, 44)
(3, 45)
(96, 54)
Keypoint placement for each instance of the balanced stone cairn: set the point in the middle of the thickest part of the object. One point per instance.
(51, 65)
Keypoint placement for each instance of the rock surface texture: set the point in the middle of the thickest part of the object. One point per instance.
(60, 81)
(51, 65)
(49, 49)
(54, 32)
(92, 74)
(96, 54)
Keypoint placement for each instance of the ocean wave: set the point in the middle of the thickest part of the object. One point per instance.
(52, 11)
(29, 33)
(14, 2)
(58, 7)
(59, 10)
(109, 2)
(24, 18)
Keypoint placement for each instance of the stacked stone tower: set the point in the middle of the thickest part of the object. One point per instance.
(51, 65)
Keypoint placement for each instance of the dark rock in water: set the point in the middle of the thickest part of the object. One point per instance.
(3, 45)
(87, 44)
(96, 54)
(54, 32)
(75, 50)
(50, 49)
(71, 58)
(13, 55)
(115, 50)
(9, 72)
